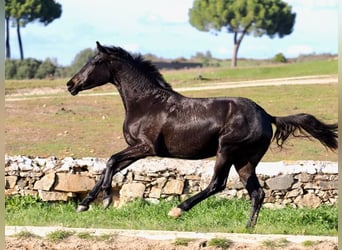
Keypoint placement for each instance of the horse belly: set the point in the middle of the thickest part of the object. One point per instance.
(190, 145)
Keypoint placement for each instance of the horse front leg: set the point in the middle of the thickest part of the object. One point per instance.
(91, 196)
(106, 185)
(116, 163)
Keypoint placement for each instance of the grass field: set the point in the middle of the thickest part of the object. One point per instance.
(91, 126)
(85, 126)
(62, 125)
(212, 215)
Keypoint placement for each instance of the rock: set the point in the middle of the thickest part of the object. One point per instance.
(22, 183)
(66, 167)
(10, 182)
(168, 177)
(131, 191)
(52, 196)
(98, 166)
(328, 185)
(282, 182)
(73, 183)
(40, 161)
(173, 186)
(232, 193)
(25, 166)
(155, 192)
(235, 184)
(308, 200)
(118, 180)
(304, 177)
(161, 182)
(29, 192)
(13, 167)
(310, 186)
(45, 183)
(293, 193)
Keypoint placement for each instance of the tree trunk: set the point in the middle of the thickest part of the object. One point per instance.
(237, 43)
(8, 48)
(19, 40)
(235, 50)
(234, 57)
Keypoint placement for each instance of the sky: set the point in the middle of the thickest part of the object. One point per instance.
(162, 27)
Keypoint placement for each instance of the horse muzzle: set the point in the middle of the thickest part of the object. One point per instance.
(72, 87)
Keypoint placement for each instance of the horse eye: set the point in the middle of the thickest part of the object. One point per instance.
(100, 61)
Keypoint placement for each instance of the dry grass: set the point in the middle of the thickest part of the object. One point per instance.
(85, 126)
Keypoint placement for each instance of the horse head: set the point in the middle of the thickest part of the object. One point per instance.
(94, 73)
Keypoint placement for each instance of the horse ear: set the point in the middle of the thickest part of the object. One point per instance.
(101, 48)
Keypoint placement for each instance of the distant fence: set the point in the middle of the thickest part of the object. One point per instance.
(299, 184)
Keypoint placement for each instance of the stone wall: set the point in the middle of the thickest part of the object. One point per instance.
(300, 184)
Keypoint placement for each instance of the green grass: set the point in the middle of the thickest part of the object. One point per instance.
(212, 215)
(275, 243)
(220, 242)
(59, 235)
(84, 235)
(309, 243)
(182, 241)
(26, 234)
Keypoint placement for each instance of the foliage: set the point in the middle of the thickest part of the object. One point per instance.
(182, 241)
(242, 18)
(80, 59)
(30, 69)
(58, 235)
(36, 69)
(220, 242)
(280, 58)
(46, 69)
(22, 12)
(281, 243)
(26, 234)
(17, 202)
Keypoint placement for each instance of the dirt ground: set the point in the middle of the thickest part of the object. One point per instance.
(135, 243)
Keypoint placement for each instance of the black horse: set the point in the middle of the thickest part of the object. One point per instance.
(162, 122)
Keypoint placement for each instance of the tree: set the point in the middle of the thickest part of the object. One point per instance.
(23, 12)
(46, 69)
(7, 20)
(80, 59)
(243, 17)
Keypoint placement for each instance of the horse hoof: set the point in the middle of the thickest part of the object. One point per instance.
(82, 208)
(175, 212)
(106, 202)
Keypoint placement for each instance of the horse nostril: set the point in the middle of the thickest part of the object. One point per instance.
(70, 83)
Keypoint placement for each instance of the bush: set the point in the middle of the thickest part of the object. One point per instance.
(46, 69)
(29, 68)
(280, 58)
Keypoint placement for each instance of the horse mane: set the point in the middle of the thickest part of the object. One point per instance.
(145, 66)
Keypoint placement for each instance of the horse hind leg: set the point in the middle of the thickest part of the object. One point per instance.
(217, 184)
(255, 191)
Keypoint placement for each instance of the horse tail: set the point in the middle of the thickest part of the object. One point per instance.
(305, 125)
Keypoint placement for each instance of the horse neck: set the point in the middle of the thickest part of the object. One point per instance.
(136, 91)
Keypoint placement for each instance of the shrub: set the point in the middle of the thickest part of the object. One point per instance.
(280, 58)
